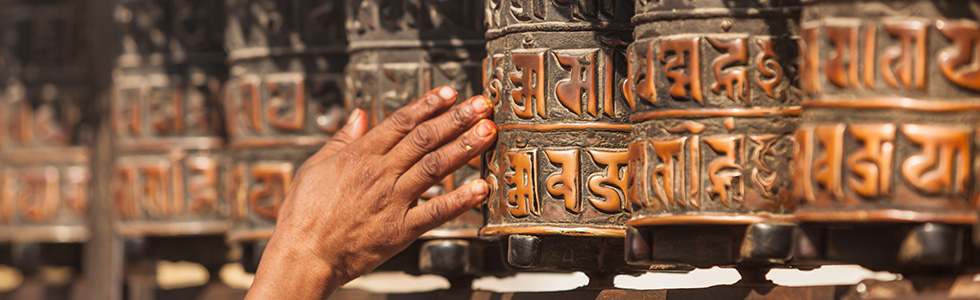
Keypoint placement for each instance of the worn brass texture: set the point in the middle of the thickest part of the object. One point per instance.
(282, 101)
(44, 92)
(399, 50)
(714, 110)
(553, 72)
(888, 143)
(166, 118)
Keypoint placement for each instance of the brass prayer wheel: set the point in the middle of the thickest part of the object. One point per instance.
(282, 102)
(558, 170)
(398, 51)
(44, 169)
(885, 157)
(715, 109)
(166, 119)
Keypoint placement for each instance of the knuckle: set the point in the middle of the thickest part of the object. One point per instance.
(401, 121)
(432, 166)
(460, 117)
(423, 137)
(439, 211)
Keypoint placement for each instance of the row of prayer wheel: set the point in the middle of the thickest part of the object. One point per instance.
(633, 136)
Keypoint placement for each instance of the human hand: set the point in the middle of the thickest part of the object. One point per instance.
(354, 204)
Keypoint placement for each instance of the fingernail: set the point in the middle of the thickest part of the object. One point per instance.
(446, 93)
(479, 187)
(480, 105)
(354, 116)
(485, 128)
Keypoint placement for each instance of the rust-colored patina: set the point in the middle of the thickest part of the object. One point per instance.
(715, 108)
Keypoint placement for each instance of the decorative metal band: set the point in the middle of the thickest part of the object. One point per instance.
(872, 215)
(713, 12)
(169, 59)
(900, 103)
(566, 126)
(557, 26)
(553, 230)
(714, 113)
(706, 219)
(172, 228)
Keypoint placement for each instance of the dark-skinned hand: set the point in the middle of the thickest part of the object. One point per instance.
(354, 204)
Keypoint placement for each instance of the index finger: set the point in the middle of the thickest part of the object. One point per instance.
(383, 137)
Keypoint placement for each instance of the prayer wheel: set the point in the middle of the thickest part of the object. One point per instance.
(398, 51)
(168, 132)
(44, 169)
(283, 101)
(558, 170)
(885, 158)
(715, 109)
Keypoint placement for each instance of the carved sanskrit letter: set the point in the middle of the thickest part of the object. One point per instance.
(246, 106)
(729, 68)
(495, 83)
(684, 66)
(528, 10)
(872, 163)
(166, 109)
(156, 190)
(123, 191)
(6, 197)
(611, 185)
(911, 56)
(827, 166)
(567, 178)
(275, 180)
(803, 165)
(643, 80)
(636, 176)
(580, 84)
(666, 177)
(725, 169)
(529, 83)
(38, 198)
(287, 95)
(203, 187)
(521, 182)
(126, 112)
(944, 164)
(842, 68)
(762, 149)
(959, 61)
(770, 72)
(810, 60)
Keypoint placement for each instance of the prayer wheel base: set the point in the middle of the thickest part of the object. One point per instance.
(758, 244)
(592, 255)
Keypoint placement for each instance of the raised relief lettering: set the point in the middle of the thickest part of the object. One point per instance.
(842, 67)
(495, 84)
(959, 62)
(581, 84)
(636, 177)
(247, 108)
(770, 72)
(528, 10)
(611, 184)
(565, 184)
(166, 109)
(828, 164)
(521, 181)
(872, 163)
(803, 165)
(273, 181)
(156, 190)
(724, 172)
(667, 175)
(729, 69)
(944, 164)
(202, 187)
(694, 162)
(529, 84)
(126, 112)
(682, 59)
(642, 79)
(910, 56)
(38, 196)
(810, 60)
(287, 102)
(124, 193)
(6, 191)
(763, 175)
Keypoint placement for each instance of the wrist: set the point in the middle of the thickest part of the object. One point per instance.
(292, 264)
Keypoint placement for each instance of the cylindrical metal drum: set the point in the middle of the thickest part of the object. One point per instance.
(283, 101)
(399, 50)
(168, 130)
(44, 172)
(558, 171)
(712, 84)
(885, 159)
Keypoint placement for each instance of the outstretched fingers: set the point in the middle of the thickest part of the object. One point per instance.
(442, 209)
(435, 133)
(433, 167)
(356, 127)
(394, 127)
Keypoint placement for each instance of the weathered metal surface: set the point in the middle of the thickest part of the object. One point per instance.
(888, 139)
(553, 72)
(283, 101)
(715, 106)
(166, 118)
(398, 51)
(44, 171)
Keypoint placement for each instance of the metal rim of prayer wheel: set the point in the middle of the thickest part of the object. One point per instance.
(44, 170)
(166, 119)
(282, 102)
(885, 156)
(399, 50)
(715, 111)
(557, 172)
